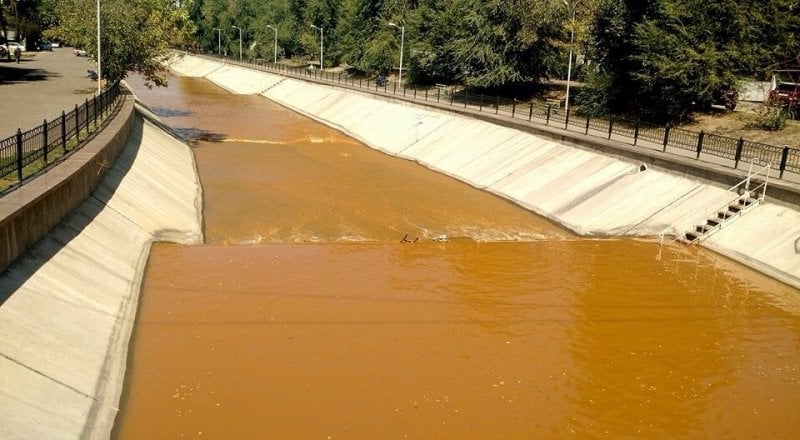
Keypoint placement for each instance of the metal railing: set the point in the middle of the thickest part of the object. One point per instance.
(28, 152)
(731, 196)
(634, 132)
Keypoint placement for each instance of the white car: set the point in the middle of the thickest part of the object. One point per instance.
(79, 52)
(11, 46)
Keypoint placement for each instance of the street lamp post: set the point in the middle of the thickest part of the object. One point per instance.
(571, 39)
(99, 64)
(240, 41)
(276, 42)
(402, 41)
(219, 40)
(321, 45)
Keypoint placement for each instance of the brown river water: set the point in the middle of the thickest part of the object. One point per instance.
(306, 316)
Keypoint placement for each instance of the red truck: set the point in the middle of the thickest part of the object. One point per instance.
(785, 90)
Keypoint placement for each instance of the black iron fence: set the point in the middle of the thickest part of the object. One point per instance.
(637, 133)
(28, 152)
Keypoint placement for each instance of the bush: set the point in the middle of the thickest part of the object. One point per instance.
(594, 97)
(771, 118)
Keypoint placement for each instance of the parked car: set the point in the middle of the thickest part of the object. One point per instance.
(44, 45)
(79, 52)
(11, 46)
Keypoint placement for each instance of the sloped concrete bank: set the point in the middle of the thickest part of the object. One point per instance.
(591, 193)
(67, 305)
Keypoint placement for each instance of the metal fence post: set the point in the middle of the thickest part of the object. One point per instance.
(636, 133)
(738, 156)
(784, 160)
(64, 131)
(700, 143)
(513, 108)
(547, 118)
(86, 112)
(566, 120)
(19, 154)
(438, 95)
(496, 104)
(530, 112)
(480, 104)
(666, 136)
(586, 131)
(94, 111)
(44, 140)
(610, 126)
(77, 124)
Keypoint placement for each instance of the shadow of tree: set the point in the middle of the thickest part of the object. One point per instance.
(14, 74)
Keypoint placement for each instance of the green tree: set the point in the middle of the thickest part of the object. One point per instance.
(135, 34)
(488, 43)
(663, 59)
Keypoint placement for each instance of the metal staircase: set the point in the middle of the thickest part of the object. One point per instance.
(738, 200)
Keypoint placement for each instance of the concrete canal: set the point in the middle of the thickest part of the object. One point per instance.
(343, 293)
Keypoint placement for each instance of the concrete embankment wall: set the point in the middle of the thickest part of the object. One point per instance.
(68, 304)
(591, 193)
(29, 212)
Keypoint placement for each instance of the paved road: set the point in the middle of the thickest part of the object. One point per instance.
(40, 87)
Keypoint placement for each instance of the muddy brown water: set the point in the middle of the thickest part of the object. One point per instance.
(305, 316)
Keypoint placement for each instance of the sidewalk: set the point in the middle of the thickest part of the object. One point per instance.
(41, 86)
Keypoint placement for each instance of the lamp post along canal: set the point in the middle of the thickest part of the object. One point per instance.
(571, 39)
(219, 40)
(275, 49)
(240, 41)
(402, 41)
(99, 59)
(321, 45)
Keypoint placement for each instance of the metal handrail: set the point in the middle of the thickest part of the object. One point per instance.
(728, 200)
(55, 138)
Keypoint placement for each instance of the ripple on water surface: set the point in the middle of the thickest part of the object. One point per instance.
(459, 340)
(333, 328)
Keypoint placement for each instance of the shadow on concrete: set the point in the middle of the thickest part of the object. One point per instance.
(194, 134)
(10, 74)
(27, 264)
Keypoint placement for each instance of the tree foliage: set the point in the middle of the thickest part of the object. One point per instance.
(656, 58)
(666, 58)
(135, 35)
